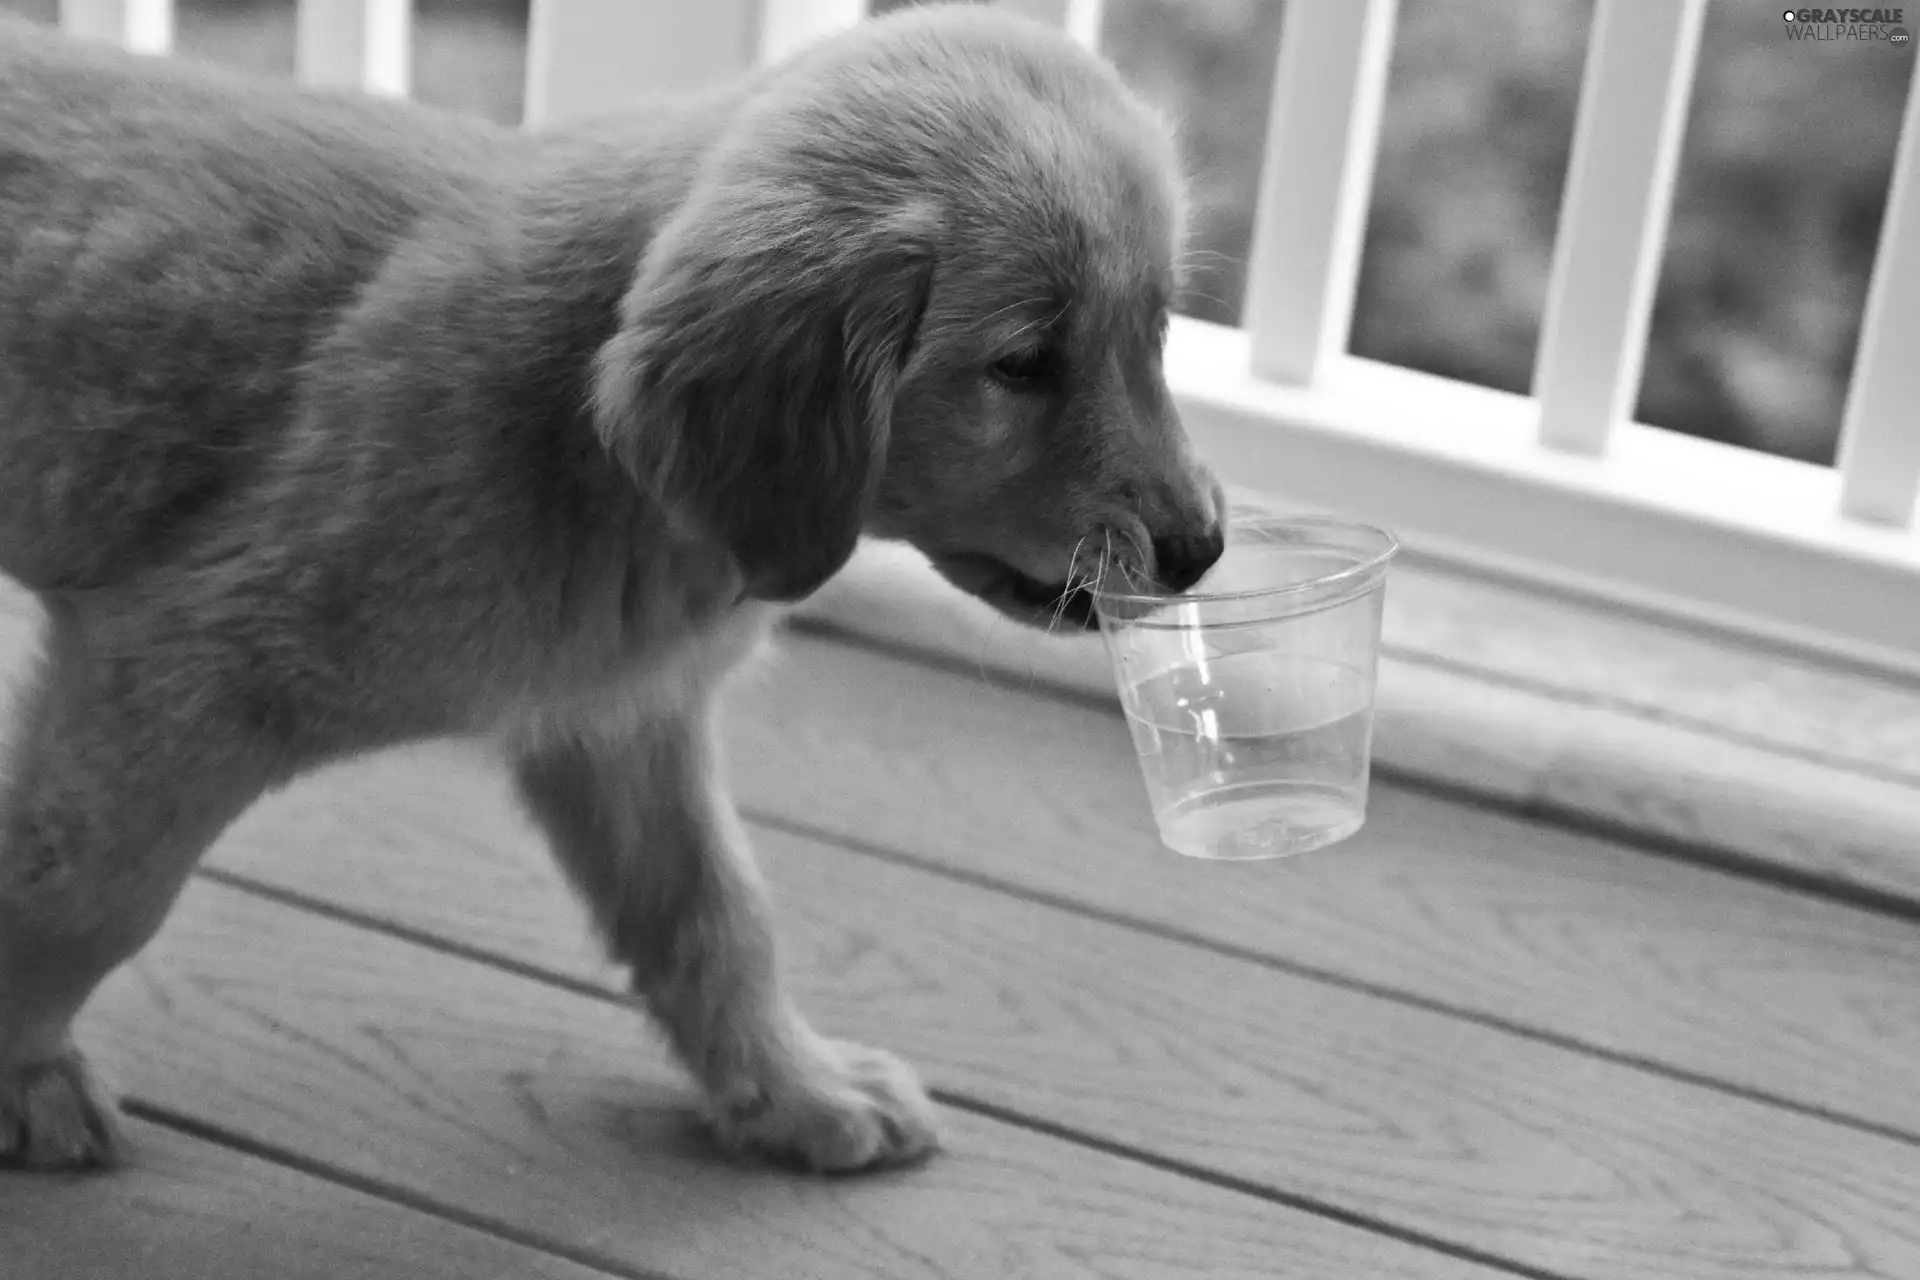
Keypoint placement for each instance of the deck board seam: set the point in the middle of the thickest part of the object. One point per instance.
(1626, 706)
(417, 937)
(1165, 933)
(1248, 1187)
(1734, 863)
(207, 1131)
(1326, 977)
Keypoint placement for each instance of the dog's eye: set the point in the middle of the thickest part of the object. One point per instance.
(1026, 368)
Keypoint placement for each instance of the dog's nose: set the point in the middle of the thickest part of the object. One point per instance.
(1184, 559)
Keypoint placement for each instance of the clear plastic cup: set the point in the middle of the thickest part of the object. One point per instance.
(1250, 698)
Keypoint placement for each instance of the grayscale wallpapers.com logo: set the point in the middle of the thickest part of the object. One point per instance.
(1849, 24)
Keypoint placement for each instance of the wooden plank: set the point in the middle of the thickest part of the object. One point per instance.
(1613, 218)
(1853, 720)
(1576, 936)
(183, 1209)
(1879, 457)
(1316, 177)
(557, 1116)
(1488, 1141)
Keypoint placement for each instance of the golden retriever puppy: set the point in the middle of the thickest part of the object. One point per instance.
(328, 424)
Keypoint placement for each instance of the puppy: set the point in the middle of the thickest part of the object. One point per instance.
(329, 424)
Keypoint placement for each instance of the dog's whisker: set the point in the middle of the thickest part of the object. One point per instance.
(1060, 607)
(1027, 328)
(1040, 324)
(1200, 295)
(1013, 306)
(1190, 256)
(1076, 577)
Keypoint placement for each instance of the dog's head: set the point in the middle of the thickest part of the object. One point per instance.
(919, 290)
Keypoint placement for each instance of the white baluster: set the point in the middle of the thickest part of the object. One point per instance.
(1322, 136)
(356, 44)
(1880, 432)
(1080, 19)
(787, 26)
(1613, 218)
(143, 26)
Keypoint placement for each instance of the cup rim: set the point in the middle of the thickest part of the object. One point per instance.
(1359, 569)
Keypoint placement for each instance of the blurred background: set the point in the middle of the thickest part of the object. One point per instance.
(1782, 179)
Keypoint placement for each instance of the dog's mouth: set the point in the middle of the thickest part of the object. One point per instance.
(1052, 606)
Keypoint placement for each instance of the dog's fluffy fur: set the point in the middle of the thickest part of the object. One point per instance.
(328, 424)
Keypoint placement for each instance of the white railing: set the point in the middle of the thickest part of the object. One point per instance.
(1559, 487)
(1613, 223)
(1316, 180)
(356, 44)
(144, 26)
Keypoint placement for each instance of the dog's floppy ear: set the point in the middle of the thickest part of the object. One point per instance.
(750, 383)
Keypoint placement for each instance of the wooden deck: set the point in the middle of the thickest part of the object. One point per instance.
(375, 1041)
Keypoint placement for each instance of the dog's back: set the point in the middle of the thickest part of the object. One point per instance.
(172, 243)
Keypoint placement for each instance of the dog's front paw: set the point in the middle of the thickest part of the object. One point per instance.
(845, 1109)
(54, 1116)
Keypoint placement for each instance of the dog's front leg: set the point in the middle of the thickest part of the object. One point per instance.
(643, 827)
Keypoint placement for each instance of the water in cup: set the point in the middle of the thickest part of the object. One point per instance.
(1252, 754)
(1250, 698)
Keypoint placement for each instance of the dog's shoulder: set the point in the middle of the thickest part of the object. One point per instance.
(174, 241)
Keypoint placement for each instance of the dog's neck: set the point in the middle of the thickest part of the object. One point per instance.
(575, 230)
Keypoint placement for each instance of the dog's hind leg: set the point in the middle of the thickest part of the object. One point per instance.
(643, 827)
(112, 786)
